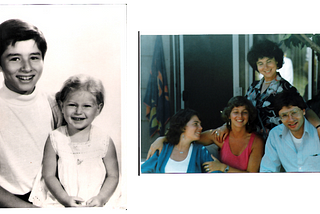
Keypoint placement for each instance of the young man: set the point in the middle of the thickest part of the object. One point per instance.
(294, 144)
(27, 115)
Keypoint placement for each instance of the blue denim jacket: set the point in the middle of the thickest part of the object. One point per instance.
(157, 163)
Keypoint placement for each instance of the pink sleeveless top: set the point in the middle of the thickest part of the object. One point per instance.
(238, 162)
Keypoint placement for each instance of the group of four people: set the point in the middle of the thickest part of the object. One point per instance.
(270, 129)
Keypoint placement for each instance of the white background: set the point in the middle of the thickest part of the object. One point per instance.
(89, 39)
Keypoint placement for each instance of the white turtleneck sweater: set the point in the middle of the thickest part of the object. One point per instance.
(25, 122)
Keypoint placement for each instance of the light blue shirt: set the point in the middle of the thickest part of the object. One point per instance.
(280, 150)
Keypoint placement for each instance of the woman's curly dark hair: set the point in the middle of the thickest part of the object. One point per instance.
(265, 48)
(178, 123)
(236, 102)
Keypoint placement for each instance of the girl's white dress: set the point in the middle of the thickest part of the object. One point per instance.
(81, 170)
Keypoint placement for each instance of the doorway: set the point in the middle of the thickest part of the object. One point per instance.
(208, 75)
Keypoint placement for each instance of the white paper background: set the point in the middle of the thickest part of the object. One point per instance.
(89, 39)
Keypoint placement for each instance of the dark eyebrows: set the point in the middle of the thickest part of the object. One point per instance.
(17, 54)
(268, 58)
(12, 55)
(36, 53)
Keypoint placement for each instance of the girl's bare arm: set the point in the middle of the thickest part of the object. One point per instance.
(49, 174)
(112, 178)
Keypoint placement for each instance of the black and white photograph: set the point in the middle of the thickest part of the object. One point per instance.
(61, 70)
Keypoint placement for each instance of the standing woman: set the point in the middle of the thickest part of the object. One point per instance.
(266, 57)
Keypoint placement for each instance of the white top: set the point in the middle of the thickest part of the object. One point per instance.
(297, 142)
(81, 169)
(24, 128)
(179, 166)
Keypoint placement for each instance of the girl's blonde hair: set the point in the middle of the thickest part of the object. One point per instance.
(85, 83)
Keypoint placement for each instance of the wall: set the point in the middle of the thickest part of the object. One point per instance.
(147, 43)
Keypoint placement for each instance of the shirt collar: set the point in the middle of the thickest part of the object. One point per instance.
(16, 98)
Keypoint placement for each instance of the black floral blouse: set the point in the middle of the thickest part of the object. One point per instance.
(264, 103)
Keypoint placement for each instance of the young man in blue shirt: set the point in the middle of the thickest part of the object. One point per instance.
(294, 144)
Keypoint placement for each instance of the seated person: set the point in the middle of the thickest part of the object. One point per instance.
(243, 149)
(180, 154)
(294, 144)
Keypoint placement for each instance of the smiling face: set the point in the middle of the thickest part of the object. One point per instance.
(293, 118)
(22, 66)
(239, 116)
(193, 129)
(79, 110)
(268, 68)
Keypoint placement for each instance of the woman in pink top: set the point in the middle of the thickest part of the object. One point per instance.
(243, 149)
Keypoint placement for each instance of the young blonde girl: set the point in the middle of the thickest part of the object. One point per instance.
(80, 166)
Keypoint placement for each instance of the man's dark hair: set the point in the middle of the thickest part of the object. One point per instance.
(16, 30)
(288, 98)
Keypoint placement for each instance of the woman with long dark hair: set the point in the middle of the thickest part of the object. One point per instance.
(180, 154)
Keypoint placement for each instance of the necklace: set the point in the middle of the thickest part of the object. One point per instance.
(181, 152)
(265, 85)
